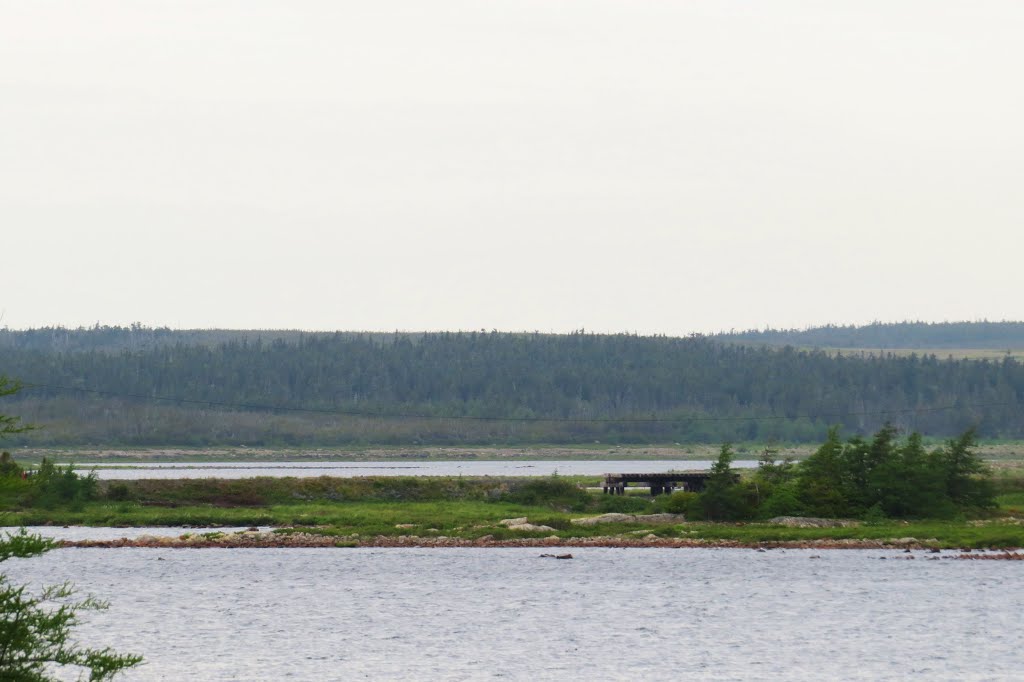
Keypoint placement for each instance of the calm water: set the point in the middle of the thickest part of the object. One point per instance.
(469, 614)
(438, 468)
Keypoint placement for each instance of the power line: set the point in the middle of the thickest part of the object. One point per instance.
(584, 420)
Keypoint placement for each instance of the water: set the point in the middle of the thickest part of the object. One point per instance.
(471, 614)
(407, 468)
(80, 533)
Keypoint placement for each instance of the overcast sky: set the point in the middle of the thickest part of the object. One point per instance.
(658, 167)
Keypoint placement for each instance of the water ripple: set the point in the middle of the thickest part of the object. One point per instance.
(472, 614)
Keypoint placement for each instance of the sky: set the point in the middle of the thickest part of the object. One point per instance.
(552, 165)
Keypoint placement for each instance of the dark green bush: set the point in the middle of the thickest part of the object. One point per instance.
(8, 467)
(623, 504)
(555, 492)
(52, 486)
(117, 492)
(783, 501)
(679, 502)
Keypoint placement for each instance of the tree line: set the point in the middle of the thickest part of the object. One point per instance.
(932, 335)
(870, 478)
(490, 387)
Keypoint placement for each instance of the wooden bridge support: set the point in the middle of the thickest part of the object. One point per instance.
(660, 484)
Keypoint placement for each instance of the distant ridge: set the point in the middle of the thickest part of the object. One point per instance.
(1002, 335)
(891, 335)
(136, 337)
(140, 386)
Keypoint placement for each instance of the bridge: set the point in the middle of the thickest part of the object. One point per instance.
(692, 481)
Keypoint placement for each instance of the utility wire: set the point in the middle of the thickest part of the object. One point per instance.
(587, 420)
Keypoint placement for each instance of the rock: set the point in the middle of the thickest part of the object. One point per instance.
(661, 518)
(405, 525)
(530, 527)
(810, 522)
(630, 518)
(513, 522)
(605, 518)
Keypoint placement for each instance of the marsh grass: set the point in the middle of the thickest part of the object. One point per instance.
(458, 508)
(938, 534)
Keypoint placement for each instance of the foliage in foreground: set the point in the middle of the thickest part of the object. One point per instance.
(35, 631)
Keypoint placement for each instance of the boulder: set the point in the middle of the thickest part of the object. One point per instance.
(630, 518)
(661, 518)
(605, 518)
(810, 522)
(529, 527)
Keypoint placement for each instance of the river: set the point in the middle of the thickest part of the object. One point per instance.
(471, 614)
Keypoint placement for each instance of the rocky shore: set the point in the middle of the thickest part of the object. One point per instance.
(263, 539)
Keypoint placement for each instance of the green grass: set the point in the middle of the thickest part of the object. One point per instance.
(454, 507)
(1012, 503)
(475, 519)
(937, 533)
(995, 450)
(363, 517)
(131, 454)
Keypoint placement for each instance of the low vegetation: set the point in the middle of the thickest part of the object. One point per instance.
(893, 489)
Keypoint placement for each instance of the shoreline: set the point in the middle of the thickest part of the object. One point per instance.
(272, 540)
(1005, 453)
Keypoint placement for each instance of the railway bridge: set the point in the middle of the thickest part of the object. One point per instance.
(692, 481)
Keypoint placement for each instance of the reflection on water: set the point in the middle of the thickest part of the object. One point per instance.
(469, 614)
(432, 468)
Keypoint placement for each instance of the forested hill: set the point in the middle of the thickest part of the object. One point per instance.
(902, 335)
(322, 388)
(139, 338)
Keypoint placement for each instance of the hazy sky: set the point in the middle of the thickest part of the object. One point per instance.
(659, 167)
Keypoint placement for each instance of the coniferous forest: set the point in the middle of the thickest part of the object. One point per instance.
(142, 386)
(879, 335)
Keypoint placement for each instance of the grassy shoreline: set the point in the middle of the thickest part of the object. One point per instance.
(596, 451)
(1001, 451)
(446, 511)
(306, 539)
(914, 535)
